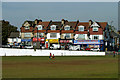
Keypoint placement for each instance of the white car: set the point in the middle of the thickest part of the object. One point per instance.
(55, 46)
(74, 47)
(28, 47)
(95, 49)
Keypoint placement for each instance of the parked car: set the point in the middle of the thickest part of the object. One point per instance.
(28, 47)
(55, 46)
(74, 47)
(43, 47)
(5, 46)
(95, 49)
(87, 49)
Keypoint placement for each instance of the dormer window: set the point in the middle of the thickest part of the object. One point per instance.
(53, 27)
(67, 28)
(95, 28)
(27, 27)
(39, 27)
(81, 28)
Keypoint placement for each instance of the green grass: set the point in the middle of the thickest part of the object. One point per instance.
(60, 67)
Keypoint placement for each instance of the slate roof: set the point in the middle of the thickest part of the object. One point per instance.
(14, 34)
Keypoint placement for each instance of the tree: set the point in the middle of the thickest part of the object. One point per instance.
(7, 28)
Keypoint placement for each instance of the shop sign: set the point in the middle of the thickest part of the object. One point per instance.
(23, 40)
(88, 41)
(65, 41)
(38, 39)
(53, 40)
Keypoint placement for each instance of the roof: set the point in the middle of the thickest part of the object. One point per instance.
(85, 24)
(30, 22)
(14, 34)
(102, 24)
(71, 24)
(55, 23)
(113, 34)
(45, 24)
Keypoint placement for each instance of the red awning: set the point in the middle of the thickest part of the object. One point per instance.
(39, 39)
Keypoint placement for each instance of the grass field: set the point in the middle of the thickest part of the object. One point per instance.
(60, 67)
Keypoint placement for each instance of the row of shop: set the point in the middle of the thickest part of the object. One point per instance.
(64, 44)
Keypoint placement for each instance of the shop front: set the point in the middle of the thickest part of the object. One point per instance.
(26, 42)
(49, 42)
(39, 42)
(65, 43)
(90, 44)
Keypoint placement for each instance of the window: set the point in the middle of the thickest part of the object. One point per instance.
(67, 35)
(27, 34)
(95, 28)
(27, 43)
(53, 27)
(67, 27)
(27, 27)
(39, 27)
(16, 39)
(81, 36)
(12, 39)
(81, 28)
(40, 35)
(53, 35)
(95, 37)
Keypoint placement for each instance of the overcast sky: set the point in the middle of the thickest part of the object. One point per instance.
(18, 12)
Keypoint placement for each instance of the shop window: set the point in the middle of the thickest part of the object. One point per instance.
(67, 27)
(16, 39)
(95, 37)
(95, 28)
(12, 39)
(81, 36)
(53, 27)
(28, 43)
(53, 35)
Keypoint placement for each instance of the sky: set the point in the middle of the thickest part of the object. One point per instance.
(18, 12)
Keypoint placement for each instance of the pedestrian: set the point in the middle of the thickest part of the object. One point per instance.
(50, 55)
(53, 56)
(113, 53)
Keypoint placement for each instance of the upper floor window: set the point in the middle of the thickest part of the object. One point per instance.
(95, 28)
(53, 35)
(40, 35)
(67, 35)
(95, 37)
(53, 27)
(27, 27)
(39, 27)
(81, 36)
(67, 28)
(81, 28)
(27, 34)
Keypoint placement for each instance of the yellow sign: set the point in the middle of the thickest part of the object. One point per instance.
(46, 40)
(53, 40)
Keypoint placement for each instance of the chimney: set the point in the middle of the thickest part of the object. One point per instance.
(63, 22)
(40, 20)
(90, 22)
(36, 21)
